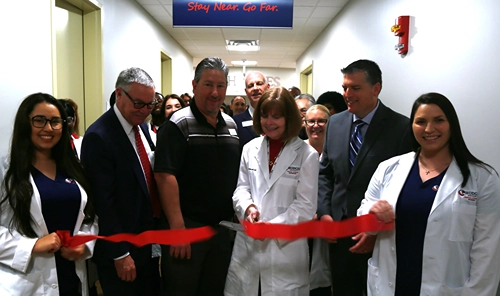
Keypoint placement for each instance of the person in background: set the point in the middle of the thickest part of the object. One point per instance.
(238, 105)
(171, 104)
(320, 276)
(315, 121)
(294, 91)
(186, 98)
(196, 168)
(255, 85)
(332, 100)
(43, 190)
(356, 142)
(276, 184)
(447, 202)
(304, 102)
(117, 151)
(72, 120)
(157, 116)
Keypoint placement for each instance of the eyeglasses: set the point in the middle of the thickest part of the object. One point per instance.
(139, 104)
(319, 122)
(40, 122)
(70, 119)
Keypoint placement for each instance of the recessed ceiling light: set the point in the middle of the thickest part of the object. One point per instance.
(244, 63)
(242, 45)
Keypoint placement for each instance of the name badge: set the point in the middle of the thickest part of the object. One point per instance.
(247, 123)
(232, 132)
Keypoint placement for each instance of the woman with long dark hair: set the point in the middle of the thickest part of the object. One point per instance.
(446, 207)
(43, 190)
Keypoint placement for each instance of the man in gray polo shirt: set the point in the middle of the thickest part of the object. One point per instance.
(196, 168)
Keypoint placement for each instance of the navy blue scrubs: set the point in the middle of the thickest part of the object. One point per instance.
(60, 200)
(412, 211)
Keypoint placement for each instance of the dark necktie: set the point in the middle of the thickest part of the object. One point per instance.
(148, 173)
(356, 141)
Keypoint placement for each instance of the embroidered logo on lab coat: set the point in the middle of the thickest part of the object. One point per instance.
(467, 194)
(293, 170)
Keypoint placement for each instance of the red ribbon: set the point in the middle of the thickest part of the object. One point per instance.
(310, 229)
(318, 229)
(164, 237)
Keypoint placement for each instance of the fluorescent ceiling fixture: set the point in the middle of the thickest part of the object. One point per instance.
(242, 45)
(244, 63)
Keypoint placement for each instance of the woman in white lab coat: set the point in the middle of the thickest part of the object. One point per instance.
(446, 204)
(320, 276)
(43, 190)
(277, 183)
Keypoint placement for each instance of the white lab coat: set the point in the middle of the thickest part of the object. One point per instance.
(24, 273)
(289, 196)
(462, 241)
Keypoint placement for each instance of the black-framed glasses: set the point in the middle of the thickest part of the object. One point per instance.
(319, 122)
(40, 121)
(139, 104)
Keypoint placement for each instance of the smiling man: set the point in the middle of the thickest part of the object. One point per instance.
(196, 168)
(357, 140)
(238, 105)
(255, 85)
(125, 199)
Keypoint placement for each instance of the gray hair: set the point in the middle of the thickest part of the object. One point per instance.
(211, 63)
(309, 97)
(131, 75)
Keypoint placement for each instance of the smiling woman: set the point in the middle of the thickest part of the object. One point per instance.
(447, 204)
(277, 183)
(44, 190)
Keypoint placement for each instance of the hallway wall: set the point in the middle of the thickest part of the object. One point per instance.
(452, 51)
(130, 37)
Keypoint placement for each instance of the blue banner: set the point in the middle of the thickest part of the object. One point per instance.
(233, 13)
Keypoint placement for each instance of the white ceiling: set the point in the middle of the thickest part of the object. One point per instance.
(279, 48)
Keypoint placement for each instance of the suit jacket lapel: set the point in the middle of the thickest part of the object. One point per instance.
(122, 140)
(250, 130)
(344, 138)
(376, 126)
(145, 130)
(449, 185)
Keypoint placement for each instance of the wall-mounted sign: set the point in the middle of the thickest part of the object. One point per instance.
(233, 13)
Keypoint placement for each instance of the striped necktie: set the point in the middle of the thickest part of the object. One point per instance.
(356, 141)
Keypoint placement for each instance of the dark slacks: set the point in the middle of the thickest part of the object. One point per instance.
(349, 271)
(205, 273)
(147, 281)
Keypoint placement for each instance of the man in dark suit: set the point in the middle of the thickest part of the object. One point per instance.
(121, 188)
(255, 85)
(382, 133)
